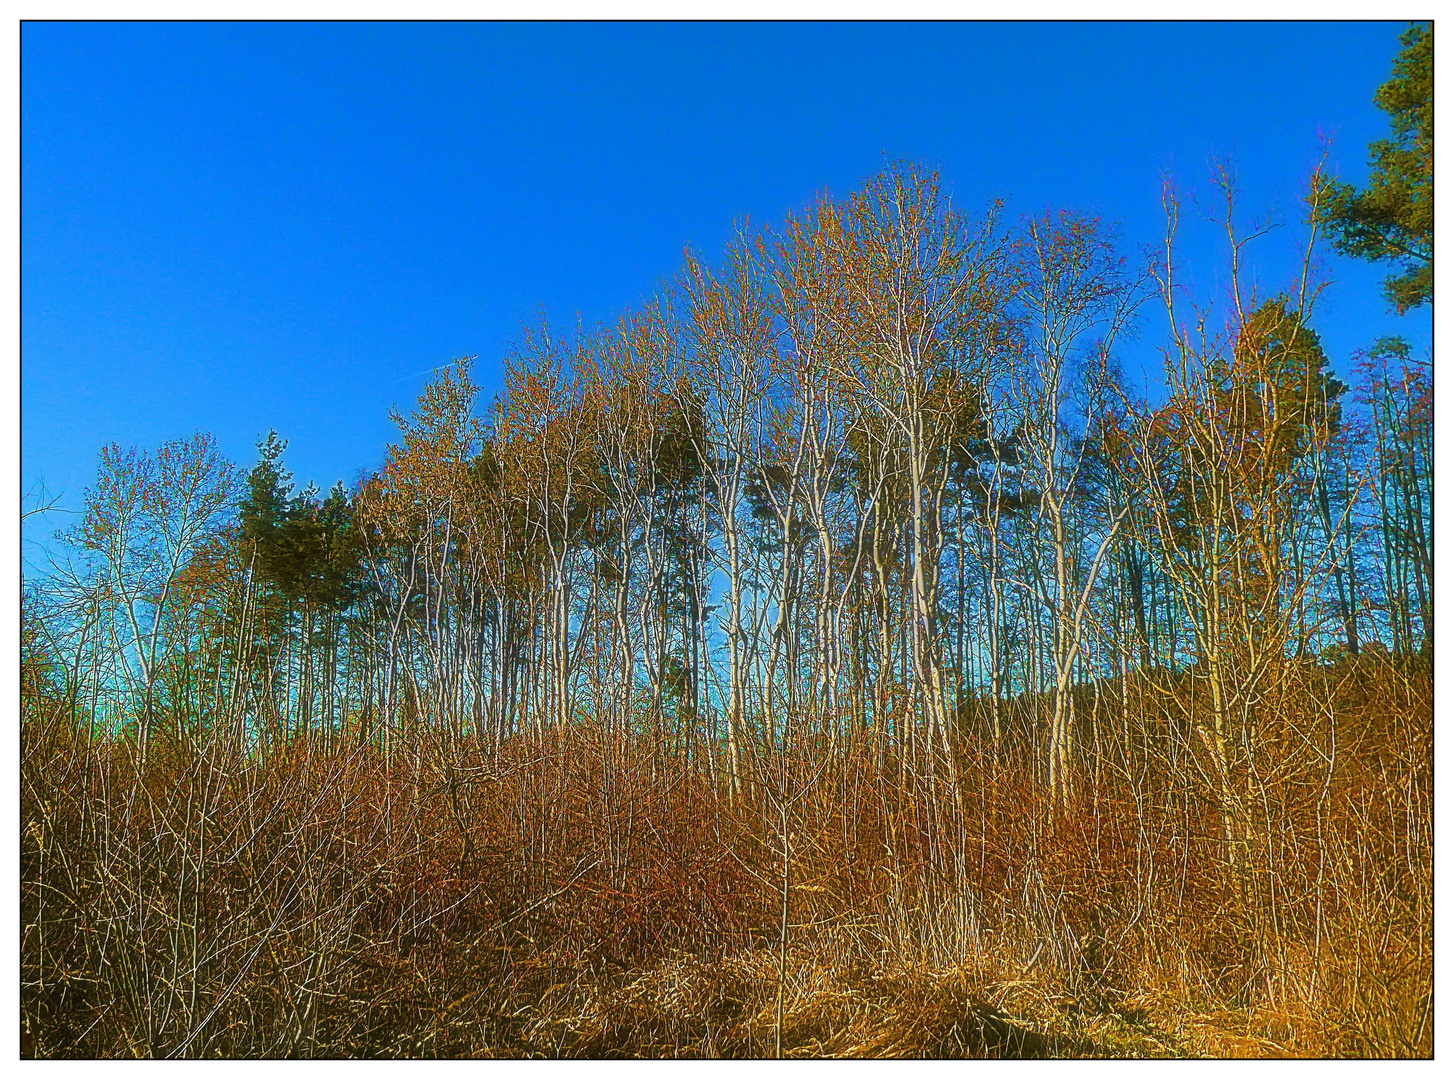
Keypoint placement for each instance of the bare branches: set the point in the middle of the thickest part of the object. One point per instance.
(838, 611)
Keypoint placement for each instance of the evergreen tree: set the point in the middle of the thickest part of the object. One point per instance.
(1393, 218)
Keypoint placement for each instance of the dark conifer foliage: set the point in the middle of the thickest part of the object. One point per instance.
(1392, 220)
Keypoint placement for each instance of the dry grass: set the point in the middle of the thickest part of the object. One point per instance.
(584, 898)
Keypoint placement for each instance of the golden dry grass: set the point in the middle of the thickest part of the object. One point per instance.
(583, 898)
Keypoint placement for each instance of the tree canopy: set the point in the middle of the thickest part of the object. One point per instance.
(1392, 219)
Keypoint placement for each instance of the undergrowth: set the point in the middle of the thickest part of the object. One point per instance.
(575, 895)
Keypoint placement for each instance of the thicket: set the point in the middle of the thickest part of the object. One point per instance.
(583, 895)
(834, 657)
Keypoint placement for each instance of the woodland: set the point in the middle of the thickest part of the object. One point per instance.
(837, 656)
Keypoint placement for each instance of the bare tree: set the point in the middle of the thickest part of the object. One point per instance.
(146, 517)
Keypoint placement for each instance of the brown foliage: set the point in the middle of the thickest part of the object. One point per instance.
(579, 895)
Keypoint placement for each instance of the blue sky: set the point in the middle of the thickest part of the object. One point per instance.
(229, 228)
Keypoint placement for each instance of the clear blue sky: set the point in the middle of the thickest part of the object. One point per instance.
(235, 227)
